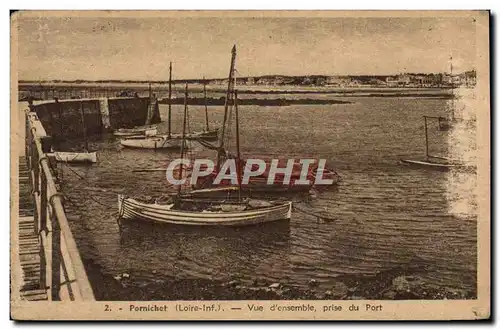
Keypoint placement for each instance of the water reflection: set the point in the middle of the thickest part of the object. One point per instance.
(218, 253)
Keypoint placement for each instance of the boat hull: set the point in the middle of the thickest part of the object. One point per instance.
(133, 209)
(154, 142)
(211, 135)
(75, 157)
(145, 131)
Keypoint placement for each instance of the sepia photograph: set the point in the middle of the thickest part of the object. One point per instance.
(250, 165)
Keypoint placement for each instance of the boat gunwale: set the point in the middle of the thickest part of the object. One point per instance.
(203, 220)
(161, 209)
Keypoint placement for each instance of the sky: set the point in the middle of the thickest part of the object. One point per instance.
(140, 48)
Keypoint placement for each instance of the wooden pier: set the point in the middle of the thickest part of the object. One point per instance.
(47, 264)
(29, 245)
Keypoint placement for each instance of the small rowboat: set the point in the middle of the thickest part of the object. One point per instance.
(211, 135)
(145, 131)
(75, 157)
(218, 214)
(152, 142)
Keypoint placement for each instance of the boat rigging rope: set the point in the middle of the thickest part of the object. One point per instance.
(84, 179)
(314, 214)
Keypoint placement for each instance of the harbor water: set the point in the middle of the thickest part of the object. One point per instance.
(381, 215)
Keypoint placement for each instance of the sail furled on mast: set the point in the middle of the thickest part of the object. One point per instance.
(220, 153)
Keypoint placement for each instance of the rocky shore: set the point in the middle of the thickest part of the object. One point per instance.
(394, 284)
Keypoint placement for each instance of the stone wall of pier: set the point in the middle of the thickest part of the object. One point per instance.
(69, 119)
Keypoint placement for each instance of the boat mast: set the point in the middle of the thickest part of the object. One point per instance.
(170, 101)
(205, 96)
(426, 138)
(226, 104)
(238, 157)
(452, 89)
(182, 139)
(84, 128)
(150, 105)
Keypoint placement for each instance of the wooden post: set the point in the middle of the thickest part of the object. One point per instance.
(426, 138)
(84, 127)
(35, 169)
(56, 258)
(43, 268)
(205, 97)
(42, 225)
(59, 112)
(170, 102)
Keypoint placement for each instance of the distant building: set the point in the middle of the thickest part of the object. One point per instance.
(391, 81)
(404, 79)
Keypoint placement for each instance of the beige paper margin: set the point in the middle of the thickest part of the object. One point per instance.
(391, 310)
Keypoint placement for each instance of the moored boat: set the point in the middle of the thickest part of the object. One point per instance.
(83, 157)
(152, 142)
(208, 135)
(213, 214)
(144, 131)
(437, 162)
(75, 157)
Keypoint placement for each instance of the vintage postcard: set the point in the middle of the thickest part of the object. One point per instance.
(250, 165)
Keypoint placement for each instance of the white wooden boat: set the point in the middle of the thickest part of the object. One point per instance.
(438, 165)
(152, 142)
(145, 131)
(223, 214)
(209, 135)
(75, 157)
(437, 162)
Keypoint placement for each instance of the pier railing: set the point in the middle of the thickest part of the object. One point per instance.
(62, 271)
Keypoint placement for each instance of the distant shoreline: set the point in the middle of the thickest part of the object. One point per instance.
(254, 101)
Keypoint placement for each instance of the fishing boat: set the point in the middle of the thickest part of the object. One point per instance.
(74, 157)
(85, 157)
(145, 130)
(436, 162)
(209, 135)
(256, 184)
(137, 131)
(206, 214)
(152, 142)
(182, 210)
(259, 184)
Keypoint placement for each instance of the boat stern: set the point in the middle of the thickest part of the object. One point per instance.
(289, 213)
(93, 157)
(120, 204)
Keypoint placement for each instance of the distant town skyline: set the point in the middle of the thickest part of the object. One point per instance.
(118, 48)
